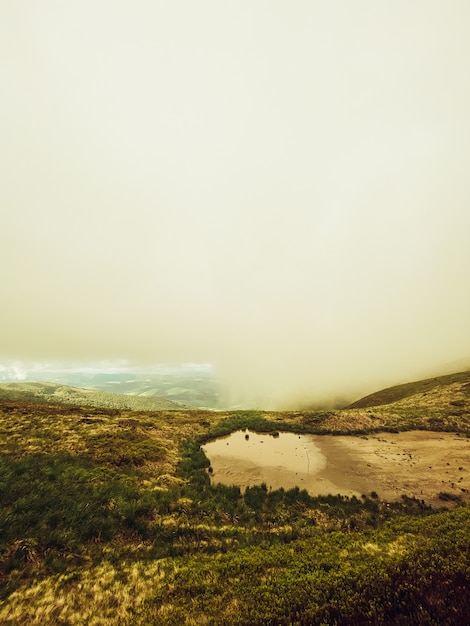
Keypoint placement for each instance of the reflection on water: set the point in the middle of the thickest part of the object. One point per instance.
(247, 458)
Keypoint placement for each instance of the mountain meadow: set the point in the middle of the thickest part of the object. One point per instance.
(110, 514)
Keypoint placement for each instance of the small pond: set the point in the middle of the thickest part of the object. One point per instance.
(416, 463)
(246, 458)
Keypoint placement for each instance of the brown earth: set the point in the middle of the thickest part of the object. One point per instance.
(418, 464)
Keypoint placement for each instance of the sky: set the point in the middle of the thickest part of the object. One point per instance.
(279, 189)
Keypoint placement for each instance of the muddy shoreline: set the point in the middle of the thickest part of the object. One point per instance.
(418, 464)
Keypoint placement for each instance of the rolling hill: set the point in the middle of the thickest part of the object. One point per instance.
(194, 386)
(51, 393)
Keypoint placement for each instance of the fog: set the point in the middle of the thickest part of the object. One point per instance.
(279, 189)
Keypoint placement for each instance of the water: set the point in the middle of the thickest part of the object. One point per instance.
(246, 458)
(419, 464)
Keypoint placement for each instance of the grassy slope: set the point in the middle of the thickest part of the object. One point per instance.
(438, 404)
(399, 392)
(108, 516)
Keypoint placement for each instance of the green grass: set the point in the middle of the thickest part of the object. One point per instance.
(407, 571)
(108, 516)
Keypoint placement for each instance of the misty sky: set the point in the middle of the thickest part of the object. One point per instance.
(278, 188)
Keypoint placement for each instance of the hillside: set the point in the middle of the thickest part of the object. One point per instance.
(399, 392)
(51, 393)
(109, 515)
(194, 386)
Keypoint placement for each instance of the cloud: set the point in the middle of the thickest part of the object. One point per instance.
(280, 191)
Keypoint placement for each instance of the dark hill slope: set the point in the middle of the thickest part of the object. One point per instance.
(50, 393)
(399, 392)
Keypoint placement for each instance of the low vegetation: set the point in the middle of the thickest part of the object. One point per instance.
(109, 516)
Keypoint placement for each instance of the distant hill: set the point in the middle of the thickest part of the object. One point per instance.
(399, 392)
(192, 386)
(51, 393)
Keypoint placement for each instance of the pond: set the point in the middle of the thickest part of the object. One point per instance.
(422, 464)
(246, 458)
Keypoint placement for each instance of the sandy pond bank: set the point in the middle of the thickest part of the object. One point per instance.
(416, 463)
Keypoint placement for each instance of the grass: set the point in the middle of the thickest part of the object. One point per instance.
(408, 571)
(108, 516)
(399, 392)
